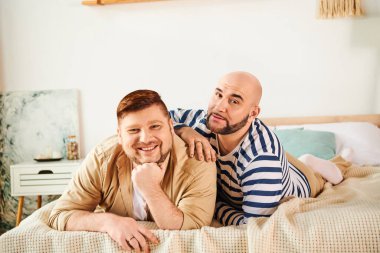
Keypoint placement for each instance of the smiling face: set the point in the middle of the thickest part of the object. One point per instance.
(146, 135)
(234, 104)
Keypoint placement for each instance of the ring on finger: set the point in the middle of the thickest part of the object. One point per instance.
(131, 238)
(196, 141)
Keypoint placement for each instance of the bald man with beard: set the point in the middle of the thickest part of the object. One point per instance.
(255, 174)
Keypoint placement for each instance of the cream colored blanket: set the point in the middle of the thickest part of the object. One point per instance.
(344, 218)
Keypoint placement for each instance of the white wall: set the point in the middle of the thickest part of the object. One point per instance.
(180, 48)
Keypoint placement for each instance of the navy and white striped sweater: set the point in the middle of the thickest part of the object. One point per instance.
(254, 177)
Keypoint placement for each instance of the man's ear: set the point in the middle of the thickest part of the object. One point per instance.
(171, 125)
(119, 135)
(255, 112)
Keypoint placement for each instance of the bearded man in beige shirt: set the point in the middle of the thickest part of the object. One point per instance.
(143, 173)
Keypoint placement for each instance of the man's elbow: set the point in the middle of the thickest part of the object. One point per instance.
(53, 221)
(58, 219)
(175, 224)
(196, 222)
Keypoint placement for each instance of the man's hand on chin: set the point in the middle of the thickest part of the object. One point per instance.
(147, 178)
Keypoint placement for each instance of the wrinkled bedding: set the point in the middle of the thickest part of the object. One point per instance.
(343, 218)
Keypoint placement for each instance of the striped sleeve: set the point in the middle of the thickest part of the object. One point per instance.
(179, 117)
(261, 183)
(195, 119)
(228, 215)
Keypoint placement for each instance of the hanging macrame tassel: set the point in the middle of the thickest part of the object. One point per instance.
(349, 8)
(358, 8)
(339, 8)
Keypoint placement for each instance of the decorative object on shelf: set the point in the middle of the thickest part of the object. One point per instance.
(47, 159)
(103, 2)
(72, 150)
(48, 156)
(340, 8)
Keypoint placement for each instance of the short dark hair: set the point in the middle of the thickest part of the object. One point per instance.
(139, 100)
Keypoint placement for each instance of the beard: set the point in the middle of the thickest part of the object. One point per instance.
(141, 159)
(228, 129)
(162, 158)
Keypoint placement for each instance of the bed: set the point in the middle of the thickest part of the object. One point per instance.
(343, 218)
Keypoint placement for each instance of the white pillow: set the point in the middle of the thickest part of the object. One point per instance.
(362, 137)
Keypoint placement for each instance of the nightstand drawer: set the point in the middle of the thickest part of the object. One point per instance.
(41, 178)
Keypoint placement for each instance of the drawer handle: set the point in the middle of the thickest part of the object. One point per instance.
(45, 172)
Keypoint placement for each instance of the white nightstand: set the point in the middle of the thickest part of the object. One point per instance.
(40, 178)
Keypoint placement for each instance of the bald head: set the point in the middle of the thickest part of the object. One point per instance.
(234, 104)
(245, 82)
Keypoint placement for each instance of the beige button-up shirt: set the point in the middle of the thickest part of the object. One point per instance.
(104, 179)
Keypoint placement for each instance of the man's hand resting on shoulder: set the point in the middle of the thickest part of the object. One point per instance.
(197, 144)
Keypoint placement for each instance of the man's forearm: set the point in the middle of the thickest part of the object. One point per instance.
(228, 215)
(123, 230)
(179, 130)
(88, 221)
(166, 215)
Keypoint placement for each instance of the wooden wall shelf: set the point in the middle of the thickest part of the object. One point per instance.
(104, 2)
